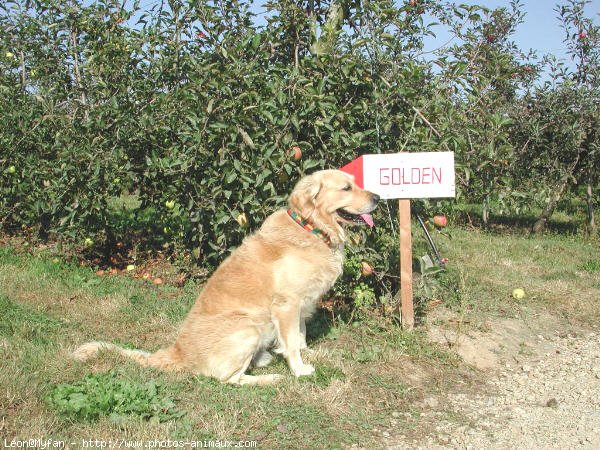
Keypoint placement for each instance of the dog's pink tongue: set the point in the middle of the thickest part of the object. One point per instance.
(368, 218)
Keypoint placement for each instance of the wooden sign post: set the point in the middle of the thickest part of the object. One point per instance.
(405, 176)
(406, 295)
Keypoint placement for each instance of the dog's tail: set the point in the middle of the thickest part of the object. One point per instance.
(163, 359)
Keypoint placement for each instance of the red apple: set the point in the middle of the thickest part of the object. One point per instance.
(297, 153)
(440, 221)
(582, 35)
(366, 269)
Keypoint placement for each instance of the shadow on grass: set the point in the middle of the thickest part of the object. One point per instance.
(525, 223)
(318, 326)
(471, 214)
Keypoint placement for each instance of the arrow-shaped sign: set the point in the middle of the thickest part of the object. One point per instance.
(405, 175)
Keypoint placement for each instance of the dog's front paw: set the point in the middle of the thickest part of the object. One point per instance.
(304, 370)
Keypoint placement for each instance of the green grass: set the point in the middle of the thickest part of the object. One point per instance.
(591, 266)
(365, 370)
(48, 308)
(557, 272)
(21, 322)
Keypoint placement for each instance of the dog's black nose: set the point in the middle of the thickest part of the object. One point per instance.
(376, 198)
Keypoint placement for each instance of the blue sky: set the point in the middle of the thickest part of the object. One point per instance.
(541, 29)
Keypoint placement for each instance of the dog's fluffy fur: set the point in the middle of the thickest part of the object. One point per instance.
(261, 295)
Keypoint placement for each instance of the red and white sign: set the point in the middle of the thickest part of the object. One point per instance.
(405, 175)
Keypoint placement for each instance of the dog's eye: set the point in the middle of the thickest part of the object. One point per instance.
(347, 188)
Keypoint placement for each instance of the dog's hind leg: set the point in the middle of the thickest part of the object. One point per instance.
(241, 378)
(236, 353)
(261, 359)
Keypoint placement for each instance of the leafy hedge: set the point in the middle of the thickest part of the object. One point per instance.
(171, 113)
(190, 111)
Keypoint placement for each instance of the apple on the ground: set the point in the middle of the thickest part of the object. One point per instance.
(440, 221)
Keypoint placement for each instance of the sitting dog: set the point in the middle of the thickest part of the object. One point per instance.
(261, 295)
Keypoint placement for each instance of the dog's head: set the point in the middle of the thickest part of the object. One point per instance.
(332, 200)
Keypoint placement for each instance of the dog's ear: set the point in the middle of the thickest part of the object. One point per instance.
(302, 199)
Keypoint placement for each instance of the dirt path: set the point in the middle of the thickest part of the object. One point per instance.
(542, 391)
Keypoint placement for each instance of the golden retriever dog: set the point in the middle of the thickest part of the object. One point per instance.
(261, 295)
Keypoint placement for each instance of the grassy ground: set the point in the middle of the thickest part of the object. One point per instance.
(371, 377)
(365, 373)
(559, 274)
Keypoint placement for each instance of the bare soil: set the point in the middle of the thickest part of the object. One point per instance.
(539, 379)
